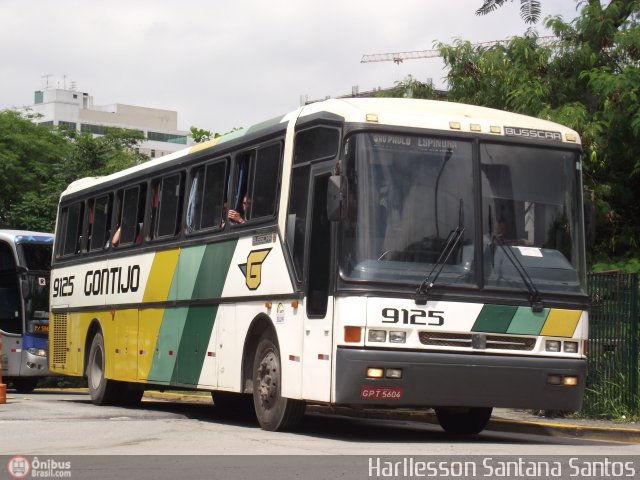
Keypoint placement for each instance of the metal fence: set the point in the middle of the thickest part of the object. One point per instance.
(612, 351)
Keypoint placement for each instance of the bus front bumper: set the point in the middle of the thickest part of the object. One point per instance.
(449, 379)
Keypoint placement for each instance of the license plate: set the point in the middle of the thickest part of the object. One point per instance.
(369, 392)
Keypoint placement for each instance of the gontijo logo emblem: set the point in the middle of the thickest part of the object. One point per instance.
(252, 270)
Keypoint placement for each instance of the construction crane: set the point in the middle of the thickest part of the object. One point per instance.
(399, 57)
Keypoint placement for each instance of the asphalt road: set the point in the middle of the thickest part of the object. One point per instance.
(192, 435)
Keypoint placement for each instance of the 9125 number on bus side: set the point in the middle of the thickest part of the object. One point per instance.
(413, 317)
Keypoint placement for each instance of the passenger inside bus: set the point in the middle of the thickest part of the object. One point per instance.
(239, 216)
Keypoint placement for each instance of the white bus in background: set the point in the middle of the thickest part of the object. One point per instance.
(25, 264)
(391, 253)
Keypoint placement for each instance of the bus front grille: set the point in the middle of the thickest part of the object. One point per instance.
(59, 349)
(481, 341)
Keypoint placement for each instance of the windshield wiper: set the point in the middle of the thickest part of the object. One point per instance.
(537, 305)
(422, 292)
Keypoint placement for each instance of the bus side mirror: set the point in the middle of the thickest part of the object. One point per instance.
(337, 198)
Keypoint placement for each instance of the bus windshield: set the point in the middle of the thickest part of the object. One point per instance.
(409, 193)
(37, 259)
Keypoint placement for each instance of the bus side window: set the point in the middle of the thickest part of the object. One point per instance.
(205, 209)
(258, 178)
(297, 217)
(165, 206)
(265, 189)
(130, 225)
(101, 219)
(215, 182)
(72, 220)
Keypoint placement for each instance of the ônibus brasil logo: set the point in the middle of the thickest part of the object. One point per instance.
(19, 467)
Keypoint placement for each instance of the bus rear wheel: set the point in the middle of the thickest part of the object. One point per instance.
(274, 411)
(101, 390)
(463, 420)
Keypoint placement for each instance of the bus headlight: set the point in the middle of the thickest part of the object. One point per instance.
(397, 337)
(377, 336)
(571, 347)
(552, 346)
(40, 352)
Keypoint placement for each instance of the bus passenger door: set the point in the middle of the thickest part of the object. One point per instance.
(317, 342)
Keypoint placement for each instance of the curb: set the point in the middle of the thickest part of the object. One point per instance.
(587, 432)
(499, 424)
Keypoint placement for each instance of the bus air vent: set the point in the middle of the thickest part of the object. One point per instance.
(59, 349)
(495, 342)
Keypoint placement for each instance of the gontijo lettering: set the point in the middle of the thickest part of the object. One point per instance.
(112, 280)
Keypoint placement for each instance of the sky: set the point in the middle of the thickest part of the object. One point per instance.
(225, 65)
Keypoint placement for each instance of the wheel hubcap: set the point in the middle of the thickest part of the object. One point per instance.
(268, 379)
(96, 369)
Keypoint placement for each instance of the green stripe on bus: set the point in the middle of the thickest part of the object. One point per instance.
(213, 269)
(185, 276)
(193, 344)
(528, 322)
(166, 351)
(266, 124)
(494, 318)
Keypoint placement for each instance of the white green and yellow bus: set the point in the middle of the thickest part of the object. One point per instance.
(390, 253)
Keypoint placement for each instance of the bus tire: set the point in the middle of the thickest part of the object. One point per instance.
(463, 420)
(101, 390)
(25, 384)
(274, 412)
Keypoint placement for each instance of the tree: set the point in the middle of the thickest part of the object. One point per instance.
(530, 10)
(37, 163)
(411, 88)
(589, 80)
(100, 155)
(29, 154)
(200, 135)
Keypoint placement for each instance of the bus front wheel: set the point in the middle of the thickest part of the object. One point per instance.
(101, 390)
(274, 411)
(462, 420)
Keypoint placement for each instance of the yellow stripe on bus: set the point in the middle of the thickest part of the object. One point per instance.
(561, 323)
(161, 276)
(150, 322)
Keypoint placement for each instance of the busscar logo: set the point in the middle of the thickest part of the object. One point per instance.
(252, 270)
(532, 133)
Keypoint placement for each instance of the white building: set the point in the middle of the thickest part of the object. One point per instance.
(73, 109)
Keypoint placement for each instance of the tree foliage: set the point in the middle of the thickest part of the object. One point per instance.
(589, 80)
(530, 10)
(37, 163)
(200, 135)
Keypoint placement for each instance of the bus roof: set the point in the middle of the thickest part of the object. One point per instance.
(20, 236)
(413, 113)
